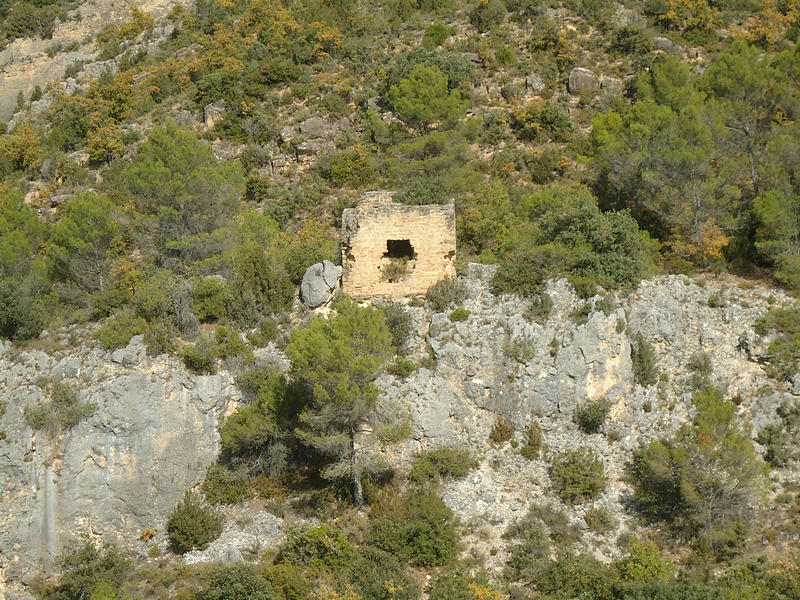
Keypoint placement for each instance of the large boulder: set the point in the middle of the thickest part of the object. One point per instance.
(314, 128)
(319, 283)
(534, 84)
(582, 81)
(662, 44)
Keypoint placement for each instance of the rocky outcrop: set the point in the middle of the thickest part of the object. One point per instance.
(319, 283)
(155, 427)
(582, 81)
(498, 362)
(213, 113)
(122, 470)
(248, 533)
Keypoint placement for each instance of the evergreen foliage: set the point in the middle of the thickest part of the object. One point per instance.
(422, 530)
(193, 525)
(706, 481)
(441, 462)
(643, 361)
(578, 475)
(591, 415)
(61, 412)
(338, 359)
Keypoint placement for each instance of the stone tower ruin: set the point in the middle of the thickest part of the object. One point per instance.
(392, 250)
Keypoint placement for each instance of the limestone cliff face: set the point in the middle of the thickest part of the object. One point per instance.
(155, 428)
(152, 436)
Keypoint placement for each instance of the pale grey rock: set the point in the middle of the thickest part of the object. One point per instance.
(319, 282)
(534, 84)
(582, 81)
(795, 381)
(287, 134)
(662, 44)
(152, 436)
(314, 128)
(241, 536)
(611, 86)
(132, 354)
(304, 150)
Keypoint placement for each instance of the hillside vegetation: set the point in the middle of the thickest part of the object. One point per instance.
(182, 193)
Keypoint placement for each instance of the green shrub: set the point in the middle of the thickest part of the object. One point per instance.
(578, 475)
(192, 524)
(605, 304)
(778, 451)
(424, 99)
(700, 366)
(581, 314)
(446, 292)
(399, 321)
(424, 190)
(153, 298)
(421, 531)
(559, 529)
(210, 298)
(520, 348)
(266, 331)
(785, 347)
(259, 284)
(201, 356)
(351, 168)
(456, 67)
(643, 361)
(542, 122)
(256, 189)
(585, 286)
(600, 520)
(530, 550)
(85, 567)
(396, 269)
(290, 582)
(61, 413)
(322, 546)
(21, 316)
(402, 367)
(159, 337)
(524, 271)
(452, 587)
(487, 14)
(239, 581)
(533, 441)
(590, 415)
(630, 39)
(716, 301)
(705, 481)
(230, 344)
(441, 462)
(459, 314)
(222, 486)
(502, 430)
(435, 35)
(576, 576)
(118, 329)
(378, 575)
(540, 308)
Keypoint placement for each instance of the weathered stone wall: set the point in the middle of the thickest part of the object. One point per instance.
(366, 229)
